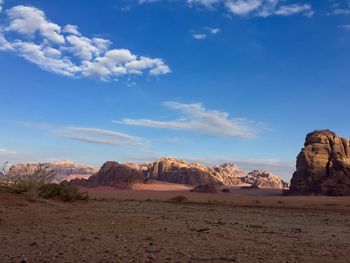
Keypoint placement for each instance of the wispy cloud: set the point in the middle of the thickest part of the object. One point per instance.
(346, 27)
(100, 136)
(213, 30)
(6, 151)
(207, 31)
(262, 8)
(340, 8)
(194, 117)
(199, 36)
(64, 50)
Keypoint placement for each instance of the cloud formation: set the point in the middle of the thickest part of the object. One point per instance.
(199, 36)
(194, 117)
(100, 136)
(207, 31)
(28, 33)
(262, 8)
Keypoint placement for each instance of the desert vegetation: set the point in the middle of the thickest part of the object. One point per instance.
(37, 183)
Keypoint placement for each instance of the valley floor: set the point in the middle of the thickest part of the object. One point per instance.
(114, 230)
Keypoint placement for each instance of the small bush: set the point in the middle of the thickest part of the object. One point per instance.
(179, 199)
(64, 192)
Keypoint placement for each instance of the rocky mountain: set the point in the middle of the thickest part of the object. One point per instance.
(264, 179)
(112, 174)
(62, 170)
(181, 172)
(323, 166)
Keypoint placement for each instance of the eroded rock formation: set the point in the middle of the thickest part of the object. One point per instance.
(181, 172)
(264, 179)
(112, 174)
(323, 166)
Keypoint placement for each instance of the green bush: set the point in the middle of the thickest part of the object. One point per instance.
(64, 192)
(38, 184)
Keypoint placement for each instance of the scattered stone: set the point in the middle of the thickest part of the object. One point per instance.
(205, 188)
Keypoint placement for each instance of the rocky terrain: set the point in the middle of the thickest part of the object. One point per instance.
(112, 174)
(152, 231)
(264, 179)
(323, 166)
(181, 172)
(62, 170)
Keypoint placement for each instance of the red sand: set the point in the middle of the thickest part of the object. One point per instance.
(262, 197)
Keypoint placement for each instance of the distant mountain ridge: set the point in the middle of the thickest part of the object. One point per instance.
(182, 172)
(165, 169)
(63, 170)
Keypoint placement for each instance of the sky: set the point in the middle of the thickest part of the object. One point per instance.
(213, 81)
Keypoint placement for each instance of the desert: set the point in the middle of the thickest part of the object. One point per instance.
(174, 131)
(137, 213)
(157, 226)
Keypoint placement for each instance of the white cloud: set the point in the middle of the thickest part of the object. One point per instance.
(65, 51)
(199, 36)
(340, 8)
(294, 9)
(262, 8)
(28, 21)
(72, 29)
(1, 4)
(339, 11)
(346, 27)
(206, 3)
(6, 151)
(213, 30)
(243, 7)
(194, 117)
(100, 136)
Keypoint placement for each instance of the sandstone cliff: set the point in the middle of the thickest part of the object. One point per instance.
(112, 174)
(323, 166)
(264, 179)
(181, 172)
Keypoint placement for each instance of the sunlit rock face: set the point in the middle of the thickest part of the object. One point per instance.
(264, 179)
(62, 170)
(323, 166)
(181, 172)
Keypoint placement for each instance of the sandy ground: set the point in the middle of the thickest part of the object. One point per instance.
(163, 191)
(113, 230)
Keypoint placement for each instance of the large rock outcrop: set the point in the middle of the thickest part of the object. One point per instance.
(181, 172)
(61, 170)
(323, 166)
(264, 179)
(112, 174)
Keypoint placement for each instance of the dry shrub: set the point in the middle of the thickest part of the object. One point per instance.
(179, 199)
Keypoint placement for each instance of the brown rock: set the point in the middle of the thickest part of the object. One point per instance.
(323, 166)
(205, 188)
(113, 174)
(264, 179)
(181, 172)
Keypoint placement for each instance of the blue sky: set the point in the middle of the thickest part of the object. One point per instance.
(207, 80)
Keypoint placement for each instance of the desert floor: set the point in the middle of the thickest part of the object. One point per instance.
(143, 226)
